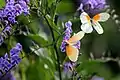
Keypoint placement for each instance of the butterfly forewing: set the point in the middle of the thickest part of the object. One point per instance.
(72, 53)
(76, 37)
(84, 17)
(101, 17)
(86, 23)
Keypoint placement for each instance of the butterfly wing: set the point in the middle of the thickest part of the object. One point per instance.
(101, 17)
(97, 27)
(76, 37)
(72, 53)
(87, 27)
(84, 17)
(86, 24)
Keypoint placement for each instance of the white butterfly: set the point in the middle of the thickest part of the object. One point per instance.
(87, 22)
(71, 51)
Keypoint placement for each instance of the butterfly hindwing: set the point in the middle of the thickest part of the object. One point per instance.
(87, 27)
(97, 27)
(72, 53)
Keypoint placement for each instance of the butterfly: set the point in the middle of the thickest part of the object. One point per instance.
(87, 22)
(71, 51)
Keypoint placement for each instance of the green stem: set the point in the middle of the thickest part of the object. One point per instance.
(55, 47)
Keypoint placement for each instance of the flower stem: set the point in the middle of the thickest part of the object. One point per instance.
(55, 47)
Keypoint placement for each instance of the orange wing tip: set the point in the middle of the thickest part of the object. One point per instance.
(96, 17)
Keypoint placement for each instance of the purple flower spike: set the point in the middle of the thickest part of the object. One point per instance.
(8, 14)
(67, 35)
(14, 53)
(92, 7)
(7, 63)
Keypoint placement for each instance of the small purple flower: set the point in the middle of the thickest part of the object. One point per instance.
(92, 7)
(15, 60)
(67, 36)
(9, 10)
(2, 14)
(10, 2)
(16, 50)
(18, 46)
(68, 66)
(24, 6)
(68, 24)
(4, 64)
(62, 47)
(18, 9)
(7, 29)
(8, 76)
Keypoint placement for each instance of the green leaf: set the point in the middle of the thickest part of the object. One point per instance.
(94, 66)
(40, 70)
(65, 7)
(50, 2)
(38, 39)
(52, 24)
(2, 3)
